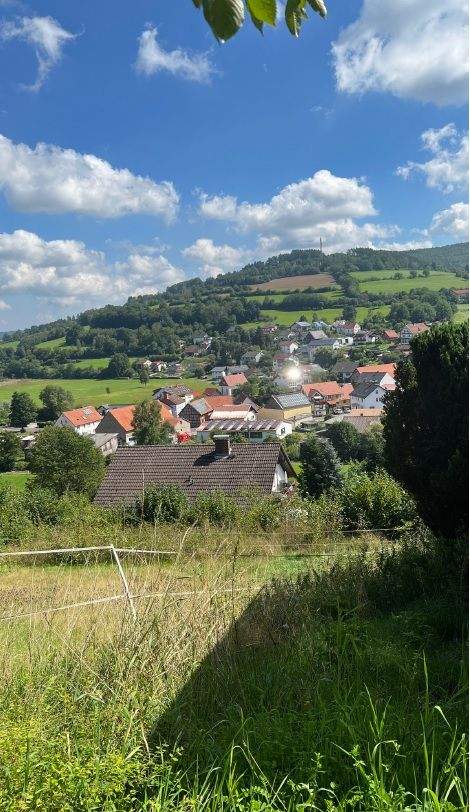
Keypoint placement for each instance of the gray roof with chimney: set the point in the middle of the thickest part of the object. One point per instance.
(195, 468)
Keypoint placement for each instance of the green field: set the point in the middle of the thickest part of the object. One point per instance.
(4, 345)
(462, 314)
(329, 314)
(94, 392)
(17, 479)
(280, 297)
(386, 283)
(52, 343)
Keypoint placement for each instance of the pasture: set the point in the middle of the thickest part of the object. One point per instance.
(285, 318)
(387, 284)
(462, 314)
(317, 280)
(16, 479)
(271, 681)
(94, 392)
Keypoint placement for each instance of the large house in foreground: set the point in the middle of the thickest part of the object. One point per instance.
(230, 469)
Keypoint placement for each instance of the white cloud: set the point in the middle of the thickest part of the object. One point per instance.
(152, 58)
(45, 35)
(448, 168)
(452, 221)
(215, 259)
(70, 274)
(323, 206)
(55, 181)
(411, 245)
(4, 305)
(415, 49)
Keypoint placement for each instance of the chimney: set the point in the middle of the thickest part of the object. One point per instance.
(222, 446)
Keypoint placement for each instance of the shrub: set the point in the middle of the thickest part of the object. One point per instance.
(214, 508)
(162, 503)
(10, 450)
(374, 501)
(266, 513)
(14, 520)
(320, 469)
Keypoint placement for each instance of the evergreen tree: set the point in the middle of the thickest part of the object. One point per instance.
(320, 469)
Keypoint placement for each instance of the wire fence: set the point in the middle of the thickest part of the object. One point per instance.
(44, 582)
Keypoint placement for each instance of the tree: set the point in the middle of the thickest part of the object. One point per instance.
(345, 439)
(22, 410)
(144, 376)
(426, 272)
(64, 461)
(349, 312)
(118, 367)
(55, 400)
(226, 17)
(413, 274)
(426, 427)
(320, 469)
(149, 428)
(10, 450)
(326, 357)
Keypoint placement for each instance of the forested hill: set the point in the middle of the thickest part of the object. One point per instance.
(219, 302)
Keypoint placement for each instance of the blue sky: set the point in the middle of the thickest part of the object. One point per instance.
(167, 155)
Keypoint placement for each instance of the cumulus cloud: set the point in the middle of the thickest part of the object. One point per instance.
(69, 273)
(214, 259)
(45, 35)
(447, 169)
(53, 180)
(452, 221)
(415, 49)
(323, 205)
(411, 245)
(152, 58)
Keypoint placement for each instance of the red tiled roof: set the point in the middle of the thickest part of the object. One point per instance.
(238, 379)
(124, 415)
(219, 401)
(82, 416)
(384, 368)
(326, 388)
(415, 329)
(390, 334)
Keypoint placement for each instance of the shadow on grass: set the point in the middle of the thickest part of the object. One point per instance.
(323, 662)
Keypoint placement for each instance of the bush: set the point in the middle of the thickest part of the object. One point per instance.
(14, 520)
(374, 501)
(214, 508)
(266, 513)
(162, 503)
(10, 450)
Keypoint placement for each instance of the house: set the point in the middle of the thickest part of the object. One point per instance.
(283, 358)
(106, 443)
(290, 377)
(217, 373)
(390, 335)
(174, 396)
(174, 370)
(346, 328)
(229, 383)
(343, 370)
(365, 337)
(309, 350)
(196, 412)
(361, 419)
(120, 421)
(269, 329)
(315, 335)
(301, 328)
(231, 469)
(381, 378)
(368, 395)
(288, 347)
(235, 411)
(252, 357)
(329, 393)
(409, 331)
(256, 431)
(83, 420)
(286, 407)
(373, 369)
(193, 349)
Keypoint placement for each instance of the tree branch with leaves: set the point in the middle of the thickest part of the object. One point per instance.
(226, 17)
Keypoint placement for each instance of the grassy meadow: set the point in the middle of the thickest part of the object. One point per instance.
(302, 282)
(285, 318)
(94, 392)
(245, 682)
(383, 282)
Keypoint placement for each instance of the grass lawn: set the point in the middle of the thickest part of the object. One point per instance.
(462, 314)
(94, 392)
(329, 295)
(17, 479)
(4, 345)
(329, 314)
(387, 284)
(53, 342)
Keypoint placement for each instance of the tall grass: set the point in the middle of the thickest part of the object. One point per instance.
(340, 688)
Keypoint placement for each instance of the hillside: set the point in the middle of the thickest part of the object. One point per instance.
(379, 288)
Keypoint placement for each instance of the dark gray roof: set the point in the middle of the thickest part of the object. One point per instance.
(290, 401)
(200, 405)
(372, 377)
(362, 390)
(100, 439)
(194, 468)
(174, 390)
(238, 424)
(362, 422)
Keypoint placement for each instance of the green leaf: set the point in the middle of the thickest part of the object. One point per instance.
(294, 14)
(263, 10)
(197, 3)
(319, 7)
(225, 17)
